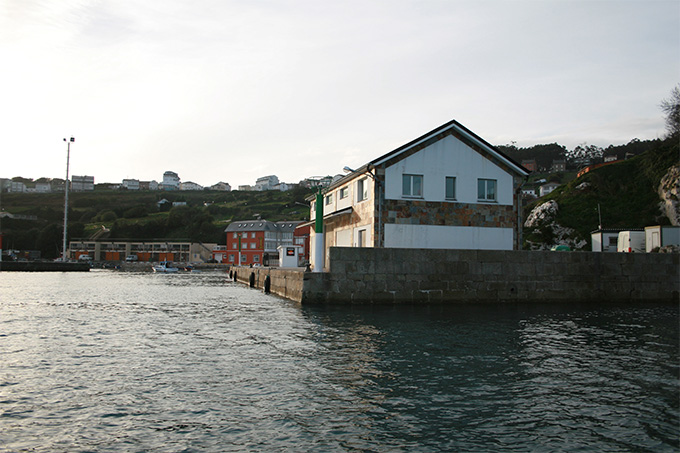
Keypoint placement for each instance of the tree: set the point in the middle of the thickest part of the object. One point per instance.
(671, 107)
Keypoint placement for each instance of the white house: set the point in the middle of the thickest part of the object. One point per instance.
(545, 189)
(170, 180)
(82, 183)
(448, 189)
(190, 185)
(266, 182)
(223, 186)
(130, 184)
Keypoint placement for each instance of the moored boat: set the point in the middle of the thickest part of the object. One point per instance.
(165, 266)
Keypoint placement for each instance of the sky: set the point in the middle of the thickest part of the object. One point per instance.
(231, 90)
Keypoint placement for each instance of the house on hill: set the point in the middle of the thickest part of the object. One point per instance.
(448, 189)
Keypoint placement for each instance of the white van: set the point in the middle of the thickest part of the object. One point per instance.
(631, 241)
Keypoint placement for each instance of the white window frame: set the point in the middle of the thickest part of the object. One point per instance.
(446, 187)
(329, 199)
(362, 190)
(408, 188)
(487, 195)
(344, 191)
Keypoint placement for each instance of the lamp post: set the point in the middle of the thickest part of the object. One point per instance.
(68, 155)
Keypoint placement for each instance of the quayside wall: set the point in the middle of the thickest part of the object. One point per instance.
(369, 275)
(43, 266)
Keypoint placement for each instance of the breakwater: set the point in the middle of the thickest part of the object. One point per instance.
(369, 276)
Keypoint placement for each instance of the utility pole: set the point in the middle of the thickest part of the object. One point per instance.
(68, 155)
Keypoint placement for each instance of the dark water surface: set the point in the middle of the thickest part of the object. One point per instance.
(109, 361)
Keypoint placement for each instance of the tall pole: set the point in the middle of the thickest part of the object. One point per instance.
(68, 155)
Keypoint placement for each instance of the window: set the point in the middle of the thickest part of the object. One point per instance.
(362, 189)
(412, 186)
(450, 188)
(343, 193)
(252, 245)
(329, 199)
(256, 258)
(486, 189)
(231, 258)
(234, 236)
(252, 235)
(361, 238)
(244, 258)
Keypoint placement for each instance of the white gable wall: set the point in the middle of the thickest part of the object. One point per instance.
(447, 237)
(448, 157)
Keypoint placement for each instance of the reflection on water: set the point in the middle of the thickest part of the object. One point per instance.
(112, 361)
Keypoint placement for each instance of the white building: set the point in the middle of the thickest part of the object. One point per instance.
(43, 187)
(448, 189)
(189, 185)
(545, 189)
(170, 180)
(17, 186)
(223, 186)
(130, 184)
(148, 185)
(82, 183)
(266, 182)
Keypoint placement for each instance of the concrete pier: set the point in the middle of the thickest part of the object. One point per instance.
(393, 276)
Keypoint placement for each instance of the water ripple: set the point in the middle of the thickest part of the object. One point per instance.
(110, 361)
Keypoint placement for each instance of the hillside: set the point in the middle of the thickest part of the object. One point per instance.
(136, 215)
(626, 193)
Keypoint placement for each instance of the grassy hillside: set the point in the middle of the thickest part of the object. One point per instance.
(625, 191)
(135, 215)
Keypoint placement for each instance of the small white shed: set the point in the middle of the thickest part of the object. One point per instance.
(604, 240)
(660, 236)
(288, 255)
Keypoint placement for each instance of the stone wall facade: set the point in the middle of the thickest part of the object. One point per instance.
(393, 276)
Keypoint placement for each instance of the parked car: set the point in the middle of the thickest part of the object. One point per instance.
(131, 258)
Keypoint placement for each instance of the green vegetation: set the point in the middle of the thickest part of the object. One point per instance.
(137, 216)
(626, 193)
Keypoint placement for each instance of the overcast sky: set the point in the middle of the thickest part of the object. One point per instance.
(230, 90)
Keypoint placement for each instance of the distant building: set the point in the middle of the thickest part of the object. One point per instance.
(170, 180)
(610, 158)
(545, 189)
(43, 187)
(17, 187)
(130, 184)
(256, 242)
(223, 186)
(245, 188)
(282, 186)
(266, 182)
(82, 183)
(529, 193)
(148, 185)
(189, 185)
(529, 164)
(559, 166)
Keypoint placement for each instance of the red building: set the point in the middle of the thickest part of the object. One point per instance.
(256, 242)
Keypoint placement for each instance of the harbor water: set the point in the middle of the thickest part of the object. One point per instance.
(112, 361)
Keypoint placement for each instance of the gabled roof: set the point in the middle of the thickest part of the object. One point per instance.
(463, 134)
(453, 127)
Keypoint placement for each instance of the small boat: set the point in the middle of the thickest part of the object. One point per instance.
(165, 266)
